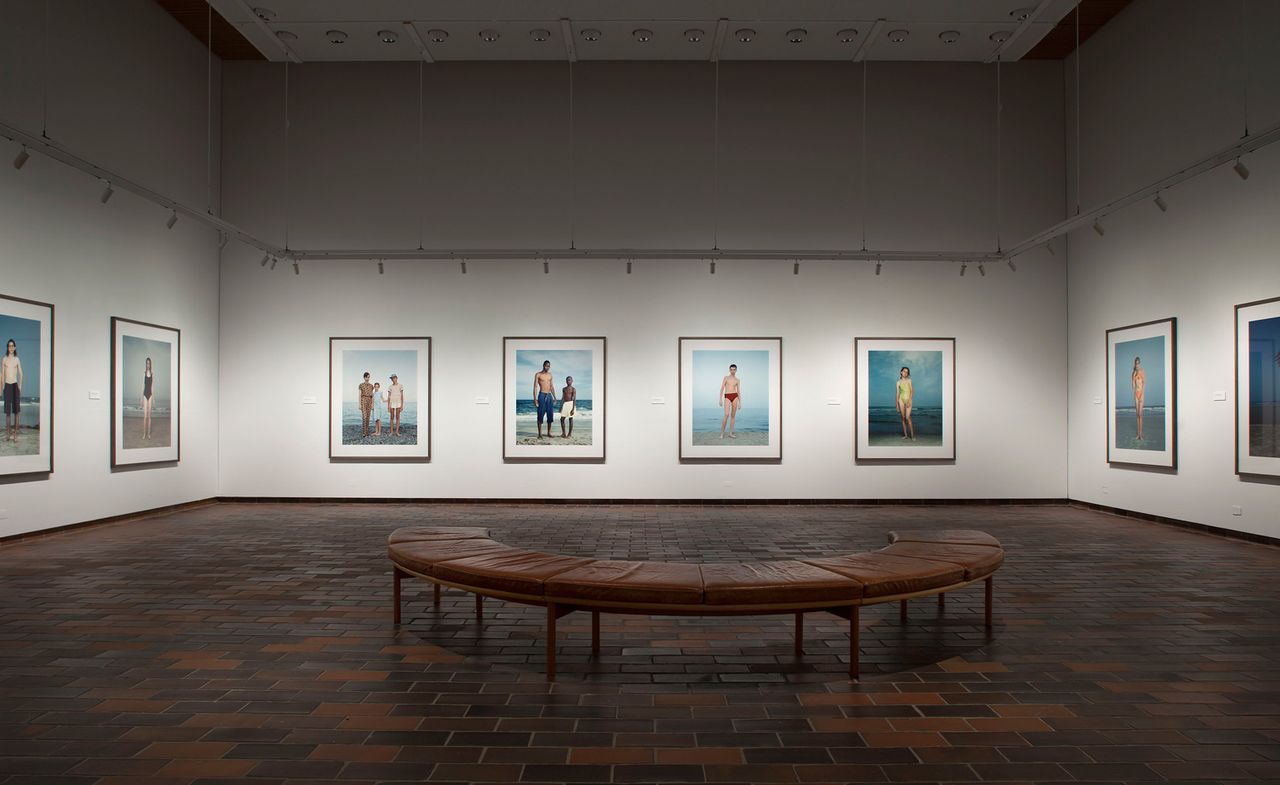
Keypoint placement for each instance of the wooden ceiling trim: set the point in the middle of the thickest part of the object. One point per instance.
(228, 44)
(1060, 42)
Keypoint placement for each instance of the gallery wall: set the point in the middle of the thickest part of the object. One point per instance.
(1161, 86)
(127, 90)
(496, 173)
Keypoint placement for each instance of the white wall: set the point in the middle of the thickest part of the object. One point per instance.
(1162, 85)
(126, 89)
(497, 176)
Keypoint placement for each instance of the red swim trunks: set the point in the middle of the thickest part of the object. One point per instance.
(731, 397)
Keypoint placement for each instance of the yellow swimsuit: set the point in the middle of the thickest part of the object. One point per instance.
(904, 390)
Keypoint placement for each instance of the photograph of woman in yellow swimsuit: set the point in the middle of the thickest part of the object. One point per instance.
(905, 395)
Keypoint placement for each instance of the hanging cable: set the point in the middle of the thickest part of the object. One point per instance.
(1244, 30)
(44, 108)
(863, 188)
(1079, 152)
(422, 155)
(208, 177)
(999, 155)
(287, 190)
(573, 193)
(715, 162)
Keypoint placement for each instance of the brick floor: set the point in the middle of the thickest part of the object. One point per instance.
(253, 643)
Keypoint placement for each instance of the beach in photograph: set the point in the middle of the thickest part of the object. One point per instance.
(527, 426)
(160, 435)
(751, 428)
(28, 443)
(1264, 430)
(1126, 429)
(577, 363)
(885, 427)
(351, 435)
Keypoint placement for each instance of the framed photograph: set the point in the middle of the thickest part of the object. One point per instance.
(146, 393)
(1142, 394)
(905, 392)
(553, 400)
(26, 370)
(1258, 388)
(730, 400)
(380, 399)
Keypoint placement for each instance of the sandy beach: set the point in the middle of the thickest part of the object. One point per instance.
(527, 433)
(1264, 441)
(28, 444)
(133, 433)
(746, 439)
(351, 435)
(1126, 434)
(896, 440)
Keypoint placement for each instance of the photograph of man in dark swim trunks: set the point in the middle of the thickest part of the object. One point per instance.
(731, 400)
(544, 391)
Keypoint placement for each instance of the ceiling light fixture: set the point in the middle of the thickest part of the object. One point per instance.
(265, 14)
(745, 35)
(173, 219)
(223, 240)
(388, 36)
(949, 36)
(847, 35)
(1013, 266)
(982, 270)
(591, 34)
(1241, 169)
(796, 269)
(464, 267)
(489, 35)
(1000, 36)
(266, 257)
(1099, 228)
(1021, 14)
(380, 269)
(546, 267)
(963, 266)
(335, 36)
(628, 268)
(22, 158)
(642, 35)
(106, 194)
(540, 34)
(1162, 204)
(274, 262)
(693, 35)
(296, 269)
(286, 36)
(898, 36)
(713, 268)
(437, 36)
(797, 35)
(1049, 247)
(878, 266)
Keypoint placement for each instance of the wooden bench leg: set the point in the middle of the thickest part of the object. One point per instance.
(551, 641)
(396, 577)
(988, 582)
(942, 602)
(595, 633)
(902, 610)
(479, 608)
(799, 634)
(854, 645)
(437, 593)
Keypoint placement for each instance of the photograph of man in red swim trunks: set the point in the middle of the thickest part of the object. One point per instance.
(730, 400)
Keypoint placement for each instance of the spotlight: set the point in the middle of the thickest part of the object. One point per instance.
(296, 269)
(796, 269)
(1162, 204)
(266, 257)
(1013, 266)
(713, 268)
(628, 268)
(963, 266)
(546, 267)
(223, 239)
(23, 157)
(1241, 169)
(380, 270)
(106, 194)
(982, 270)
(877, 268)
(274, 261)
(464, 268)
(1049, 247)
(1099, 228)
(173, 219)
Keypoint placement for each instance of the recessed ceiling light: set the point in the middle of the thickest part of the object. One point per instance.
(1021, 14)
(745, 36)
(388, 36)
(1000, 36)
(336, 36)
(797, 35)
(438, 36)
(847, 36)
(489, 35)
(949, 36)
(693, 35)
(540, 34)
(265, 14)
(286, 36)
(642, 35)
(591, 34)
(898, 36)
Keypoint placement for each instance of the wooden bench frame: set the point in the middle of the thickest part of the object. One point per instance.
(558, 607)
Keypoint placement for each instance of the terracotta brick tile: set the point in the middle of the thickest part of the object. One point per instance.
(904, 739)
(611, 755)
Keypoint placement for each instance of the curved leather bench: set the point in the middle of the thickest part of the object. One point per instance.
(915, 564)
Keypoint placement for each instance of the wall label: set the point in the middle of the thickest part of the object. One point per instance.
(833, 402)
(1219, 395)
(657, 400)
(95, 395)
(481, 401)
(308, 400)
(1097, 400)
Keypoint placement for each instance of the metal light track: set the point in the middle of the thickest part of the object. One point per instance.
(51, 149)
(639, 254)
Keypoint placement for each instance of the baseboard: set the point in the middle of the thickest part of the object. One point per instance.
(131, 516)
(635, 502)
(1203, 528)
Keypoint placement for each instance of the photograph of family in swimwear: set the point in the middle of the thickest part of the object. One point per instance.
(552, 400)
(730, 399)
(25, 376)
(905, 398)
(380, 390)
(144, 394)
(1140, 393)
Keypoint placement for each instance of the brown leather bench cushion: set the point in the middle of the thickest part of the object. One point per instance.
(777, 582)
(422, 557)
(950, 536)
(977, 560)
(417, 533)
(630, 581)
(882, 575)
(512, 570)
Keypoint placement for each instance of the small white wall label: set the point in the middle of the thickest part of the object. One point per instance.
(481, 401)
(1237, 510)
(95, 395)
(308, 400)
(657, 400)
(1219, 395)
(1097, 400)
